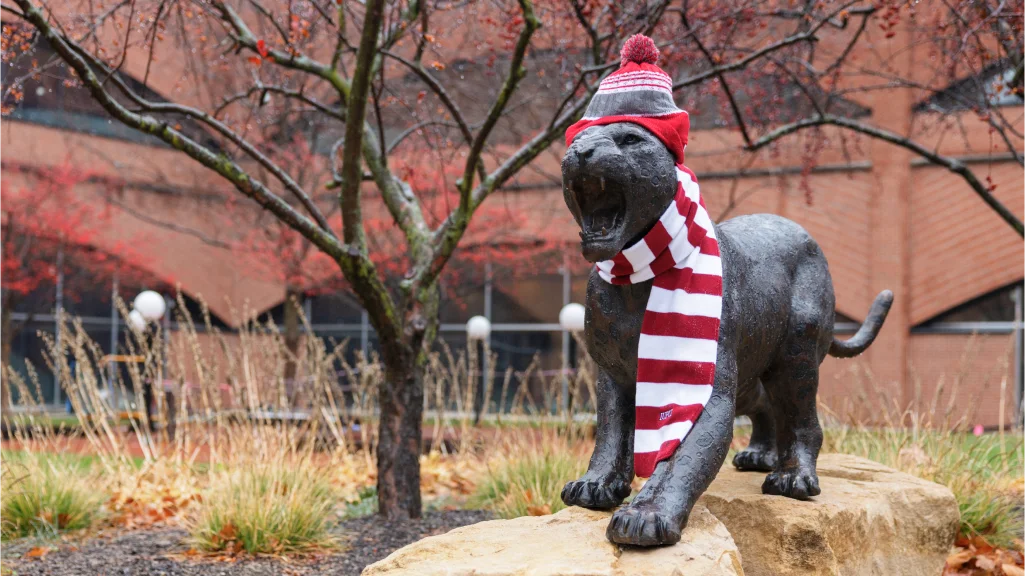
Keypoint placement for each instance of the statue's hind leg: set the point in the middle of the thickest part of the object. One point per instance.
(760, 453)
(792, 384)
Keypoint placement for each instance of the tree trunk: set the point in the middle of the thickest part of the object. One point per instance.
(401, 400)
(294, 298)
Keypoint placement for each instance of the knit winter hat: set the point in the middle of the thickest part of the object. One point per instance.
(641, 93)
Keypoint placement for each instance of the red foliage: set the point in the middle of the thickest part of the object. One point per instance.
(51, 212)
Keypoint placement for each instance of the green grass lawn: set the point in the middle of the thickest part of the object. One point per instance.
(67, 460)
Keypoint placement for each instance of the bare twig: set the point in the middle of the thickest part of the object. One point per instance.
(806, 36)
(721, 75)
(297, 94)
(230, 170)
(243, 144)
(516, 73)
(952, 164)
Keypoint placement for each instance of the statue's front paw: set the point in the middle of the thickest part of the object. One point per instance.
(595, 494)
(642, 527)
(796, 483)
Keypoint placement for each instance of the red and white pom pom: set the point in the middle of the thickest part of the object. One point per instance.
(640, 49)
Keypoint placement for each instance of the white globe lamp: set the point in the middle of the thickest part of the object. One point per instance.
(136, 321)
(571, 317)
(150, 304)
(478, 328)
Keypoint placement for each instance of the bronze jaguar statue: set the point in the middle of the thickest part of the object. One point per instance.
(621, 173)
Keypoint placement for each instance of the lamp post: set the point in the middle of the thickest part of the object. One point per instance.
(148, 306)
(478, 329)
(572, 318)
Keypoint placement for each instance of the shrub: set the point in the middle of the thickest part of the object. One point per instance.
(274, 506)
(365, 504)
(45, 496)
(530, 481)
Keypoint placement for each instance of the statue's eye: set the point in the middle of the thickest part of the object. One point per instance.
(631, 139)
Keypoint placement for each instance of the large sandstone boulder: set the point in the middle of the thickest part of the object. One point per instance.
(570, 542)
(869, 519)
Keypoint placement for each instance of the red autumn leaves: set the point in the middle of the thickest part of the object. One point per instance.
(264, 54)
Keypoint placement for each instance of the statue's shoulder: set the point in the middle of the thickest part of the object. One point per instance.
(760, 226)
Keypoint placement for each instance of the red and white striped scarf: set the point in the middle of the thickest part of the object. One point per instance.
(680, 331)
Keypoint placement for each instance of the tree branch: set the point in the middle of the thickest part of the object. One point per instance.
(448, 234)
(281, 31)
(443, 95)
(299, 95)
(397, 197)
(10, 9)
(168, 107)
(419, 125)
(951, 164)
(242, 35)
(806, 36)
(362, 273)
(439, 90)
(173, 227)
(516, 73)
(179, 141)
(721, 75)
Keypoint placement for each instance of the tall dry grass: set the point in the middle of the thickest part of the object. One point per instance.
(269, 497)
(207, 452)
(234, 433)
(932, 437)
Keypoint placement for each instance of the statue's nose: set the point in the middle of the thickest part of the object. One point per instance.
(590, 147)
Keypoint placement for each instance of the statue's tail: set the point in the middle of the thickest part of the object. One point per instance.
(868, 331)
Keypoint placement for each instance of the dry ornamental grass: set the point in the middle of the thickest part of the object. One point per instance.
(252, 463)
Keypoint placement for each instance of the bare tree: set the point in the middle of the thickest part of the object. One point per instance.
(477, 89)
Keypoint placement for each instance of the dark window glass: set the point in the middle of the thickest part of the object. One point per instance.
(337, 308)
(996, 306)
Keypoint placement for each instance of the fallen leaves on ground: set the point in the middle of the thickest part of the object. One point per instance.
(350, 475)
(157, 494)
(535, 509)
(448, 476)
(195, 555)
(39, 552)
(225, 541)
(977, 557)
(60, 522)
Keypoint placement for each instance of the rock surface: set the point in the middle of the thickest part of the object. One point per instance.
(569, 543)
(869, 519)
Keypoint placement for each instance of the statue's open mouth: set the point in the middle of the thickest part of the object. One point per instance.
(602, 216)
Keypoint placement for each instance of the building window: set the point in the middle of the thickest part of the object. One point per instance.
(998, 312)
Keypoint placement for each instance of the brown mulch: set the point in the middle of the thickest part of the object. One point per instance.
(163, 551)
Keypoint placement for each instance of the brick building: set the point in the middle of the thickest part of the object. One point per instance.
(885, 219)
